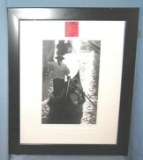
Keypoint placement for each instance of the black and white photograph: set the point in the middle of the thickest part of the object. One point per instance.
(70, 81)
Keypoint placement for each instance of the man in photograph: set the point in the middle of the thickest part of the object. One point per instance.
(59, 72)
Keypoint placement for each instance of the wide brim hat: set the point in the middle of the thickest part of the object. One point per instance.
(60, 57)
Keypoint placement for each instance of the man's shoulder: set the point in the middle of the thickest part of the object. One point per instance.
(63, 64)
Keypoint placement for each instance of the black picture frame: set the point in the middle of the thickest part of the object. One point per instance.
(15, 15)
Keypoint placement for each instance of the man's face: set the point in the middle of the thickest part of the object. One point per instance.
(59, 60)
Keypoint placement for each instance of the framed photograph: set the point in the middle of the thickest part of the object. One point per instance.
(71, 73)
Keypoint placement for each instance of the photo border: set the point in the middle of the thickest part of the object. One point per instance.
(130, 15)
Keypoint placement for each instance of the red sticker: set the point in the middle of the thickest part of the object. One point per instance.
(71, 29)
